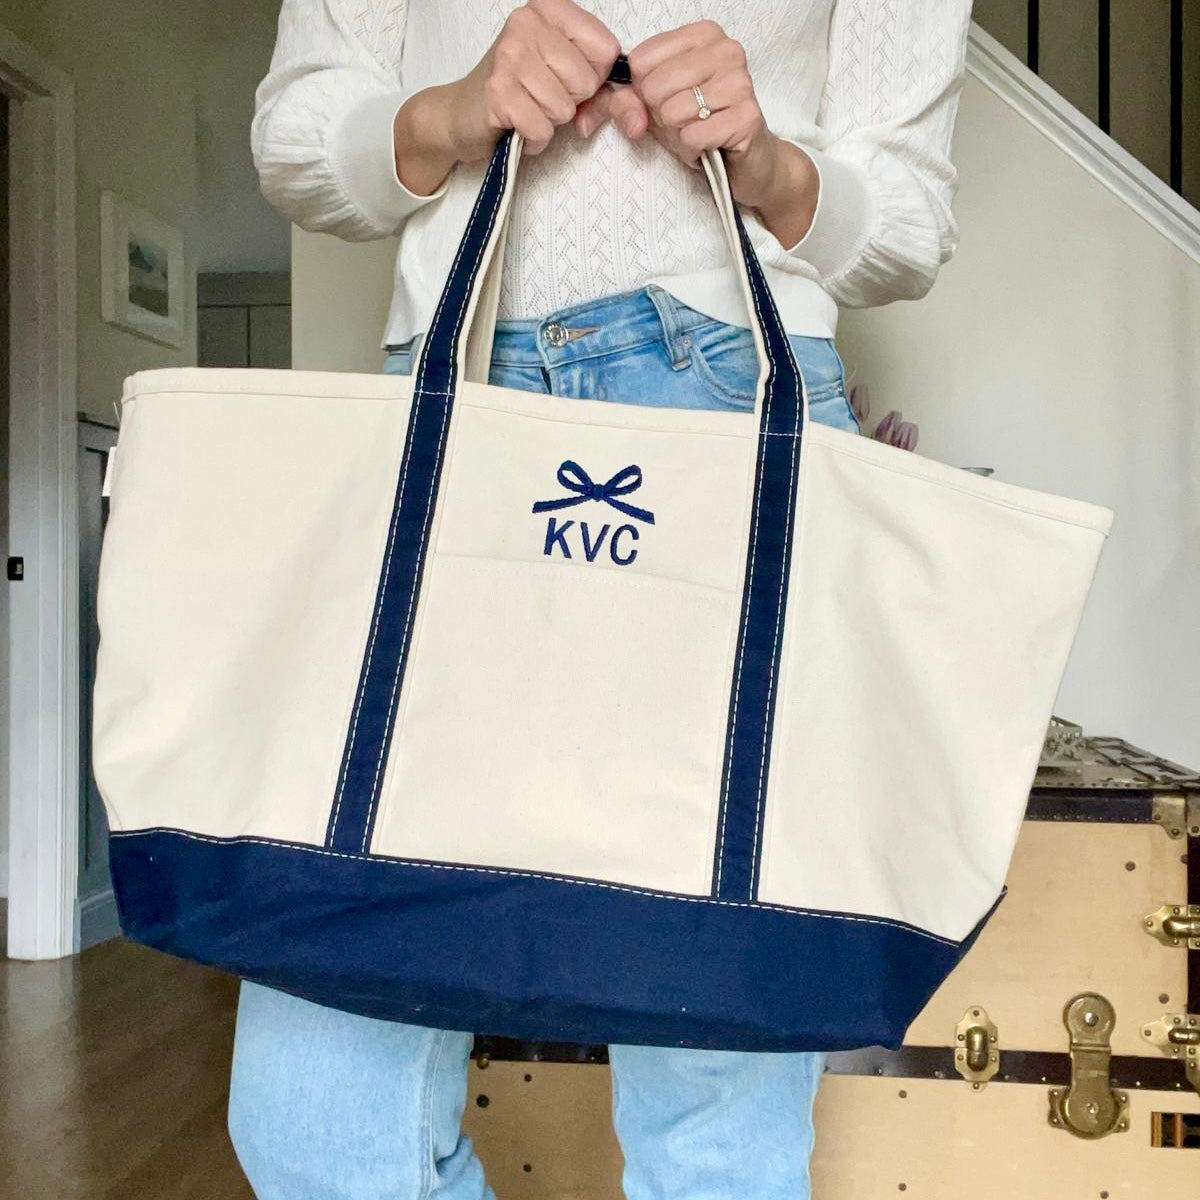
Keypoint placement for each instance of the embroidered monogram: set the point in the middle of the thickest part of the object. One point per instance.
(575, 479)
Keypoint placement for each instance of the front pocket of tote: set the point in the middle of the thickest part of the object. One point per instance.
(564, 720)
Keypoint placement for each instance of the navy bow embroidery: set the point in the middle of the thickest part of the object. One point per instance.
(575, 479)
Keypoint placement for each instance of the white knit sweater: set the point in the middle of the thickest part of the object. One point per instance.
(869, 88)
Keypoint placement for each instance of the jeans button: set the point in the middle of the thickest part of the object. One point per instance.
(556, 334)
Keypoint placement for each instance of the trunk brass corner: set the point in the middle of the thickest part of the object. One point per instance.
(1178, 813)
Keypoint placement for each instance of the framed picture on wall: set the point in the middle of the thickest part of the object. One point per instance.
(141, 273)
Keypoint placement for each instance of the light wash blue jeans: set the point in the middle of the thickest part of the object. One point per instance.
(325, 1105)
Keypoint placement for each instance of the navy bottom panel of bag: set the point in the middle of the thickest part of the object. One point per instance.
(535, 957)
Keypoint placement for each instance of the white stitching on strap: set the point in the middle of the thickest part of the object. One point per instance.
(768, 400)
(777, 649)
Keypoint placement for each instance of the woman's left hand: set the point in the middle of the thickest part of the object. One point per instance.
(765, 172)
(667, 68)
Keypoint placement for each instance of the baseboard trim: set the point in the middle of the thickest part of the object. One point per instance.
(1000, 70)
(97, 919)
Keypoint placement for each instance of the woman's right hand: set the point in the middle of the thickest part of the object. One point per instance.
(551, 56)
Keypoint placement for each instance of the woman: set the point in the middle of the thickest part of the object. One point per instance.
(376, 117)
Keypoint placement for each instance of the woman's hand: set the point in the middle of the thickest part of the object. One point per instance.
(550, 57)
(766, 173)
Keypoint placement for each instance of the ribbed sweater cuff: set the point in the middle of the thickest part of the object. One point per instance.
(362, 157)
(845, 216)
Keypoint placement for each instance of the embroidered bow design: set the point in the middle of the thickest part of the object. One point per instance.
(575, 479)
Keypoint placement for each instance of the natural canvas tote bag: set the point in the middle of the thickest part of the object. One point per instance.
(568, 719)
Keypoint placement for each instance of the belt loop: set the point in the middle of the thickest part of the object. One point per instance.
(677, 345)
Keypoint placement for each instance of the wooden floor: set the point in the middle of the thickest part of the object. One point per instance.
(114, 1072)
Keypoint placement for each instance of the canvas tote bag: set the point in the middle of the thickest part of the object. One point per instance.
(568, 719)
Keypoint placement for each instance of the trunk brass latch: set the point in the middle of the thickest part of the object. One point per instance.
(1090, 1108)
(976, 1053)
(1175, 925)
(1178, 1036)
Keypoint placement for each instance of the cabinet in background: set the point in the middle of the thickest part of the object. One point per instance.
(245, 319)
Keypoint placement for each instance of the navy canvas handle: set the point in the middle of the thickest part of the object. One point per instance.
(437, 370)
(781, 414)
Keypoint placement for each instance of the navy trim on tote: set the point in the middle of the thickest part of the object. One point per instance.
(754, 688)
(373, 717)
(529, 956)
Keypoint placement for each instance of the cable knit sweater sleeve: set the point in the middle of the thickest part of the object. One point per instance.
(322, 130)
(883, 224)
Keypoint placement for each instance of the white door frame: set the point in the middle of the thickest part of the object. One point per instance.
(43, 518)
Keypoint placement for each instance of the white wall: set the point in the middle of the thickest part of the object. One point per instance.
(1061, 346)
(136, 134)
(236, 229)
(340, 296)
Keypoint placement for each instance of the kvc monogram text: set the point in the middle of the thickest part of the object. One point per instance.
(571, 538)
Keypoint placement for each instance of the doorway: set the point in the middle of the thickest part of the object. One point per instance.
(41, 586)
(4, 414)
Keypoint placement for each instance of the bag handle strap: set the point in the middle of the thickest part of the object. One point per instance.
(458, 343)
(781, 414)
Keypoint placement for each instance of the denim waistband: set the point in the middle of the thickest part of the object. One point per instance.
(604, 326)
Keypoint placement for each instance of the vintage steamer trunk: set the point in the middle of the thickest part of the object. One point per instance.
(992, 1097)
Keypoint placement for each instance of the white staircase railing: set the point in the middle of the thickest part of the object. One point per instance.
(1164, 208)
